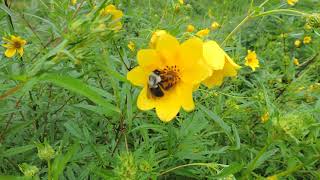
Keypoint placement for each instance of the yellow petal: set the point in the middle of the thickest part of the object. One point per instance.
(197, 73)
(186, 96)
(138, 76)
(143, 102)
(168, 47)
(230, 67)
(168, 106)
(214, 55)
(215, 79)
(8, 46)
(116, 14)
(20, 51)
(191, 52)
(10, 52)
(149, 58)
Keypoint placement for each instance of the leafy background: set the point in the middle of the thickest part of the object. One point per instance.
(70, 89)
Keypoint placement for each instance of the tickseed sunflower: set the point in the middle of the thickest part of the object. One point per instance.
(190, 28)
(168, 74)
(221, 64)
(203, 32)
(292, 2)
(296, 62)
(73, 2)
(116, 15)
(307, 40)
(131, 46)
(251, 60)
(297, 43)
(215, 25)
(14, 44)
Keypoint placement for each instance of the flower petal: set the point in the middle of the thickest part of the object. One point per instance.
(197, 73)
(10, 52)
(20, 51)
(149, 58)
(214, 55)
(191, 52)
(230, 67)
(168, 106)
(168, 47)
(215, 79)
(186, 96)
(138, 76)
(144, 103)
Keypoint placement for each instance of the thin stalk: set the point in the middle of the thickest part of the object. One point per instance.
(282, 11)
(186, 165)
(49, 170)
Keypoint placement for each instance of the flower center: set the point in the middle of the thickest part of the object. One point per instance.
(17, 44)
(170, 76)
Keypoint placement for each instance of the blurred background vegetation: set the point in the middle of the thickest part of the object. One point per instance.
(68, 112)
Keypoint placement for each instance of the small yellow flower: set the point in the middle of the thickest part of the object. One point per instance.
(190, 28)
(13, 45)
(215, 25)
(297, 43)
(203, 32)
(307, 40)
(220, 63)
(73, 2)
(181, 2)
(265, 117)
(296, 62)
(251, 60)
(155, 36)
(272, 177)
(116, 15)
(292, 2)
(175, 69)
(131, 46)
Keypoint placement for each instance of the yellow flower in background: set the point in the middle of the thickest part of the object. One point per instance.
(155, 36)
(296, 62)
(13, 45)
(307, 40)
(190, 28)
(292, 2)
(168, 73)
(297, 43)
(181, 2)
(215, 25)
(221, 64)
(272, 177)
(131, 46)
(265, 117)
(203, 32)
(251, 60)
(115, 14)
(73, 2)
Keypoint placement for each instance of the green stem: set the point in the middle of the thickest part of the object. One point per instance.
(49, 170)
(186, 165)
(282, 11)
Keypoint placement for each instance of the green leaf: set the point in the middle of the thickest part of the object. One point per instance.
(230, 170)
(79, 87)
(17, 150)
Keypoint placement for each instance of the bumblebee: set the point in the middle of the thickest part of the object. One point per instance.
(154, 84)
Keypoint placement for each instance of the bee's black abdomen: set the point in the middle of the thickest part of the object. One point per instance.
(157, 92)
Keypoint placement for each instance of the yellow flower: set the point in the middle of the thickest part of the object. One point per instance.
(155, 36)
(115, 14)
(168, 74)
(203, 32)
(296, 62)
(220, 63)
(307, 40)
(13, 45)
(181, 2)
(190, 28)
(251, 60)
(131, 46)
(292, 2)
(215, 25)
(297, 43)
(272, 177)
(265, 117)
(73, 2)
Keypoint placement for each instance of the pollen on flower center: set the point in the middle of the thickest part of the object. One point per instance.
(170, 76)
(17, 44)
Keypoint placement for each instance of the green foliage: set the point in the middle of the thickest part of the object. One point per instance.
(69, 90)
